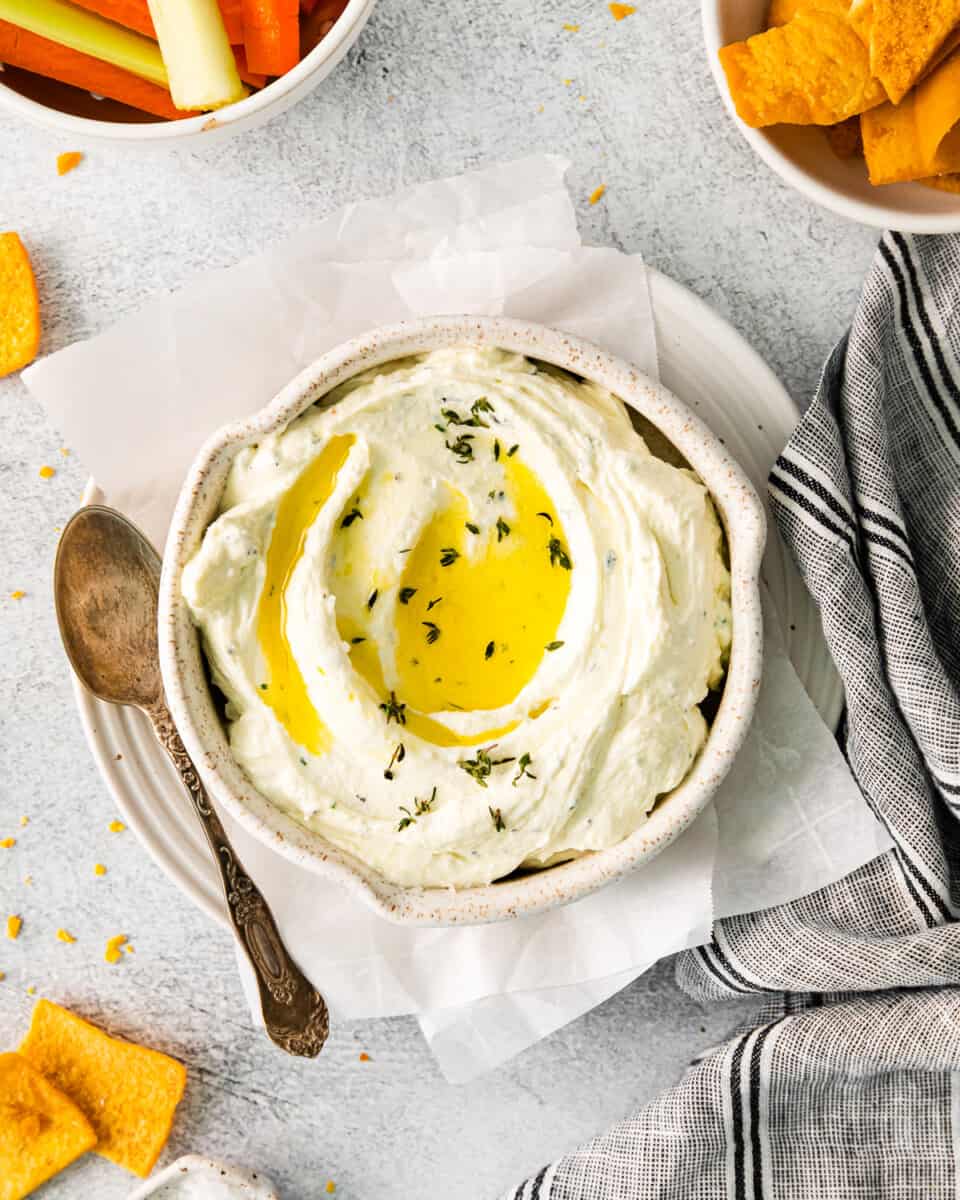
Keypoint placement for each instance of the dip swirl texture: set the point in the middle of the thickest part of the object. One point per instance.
(463, 618)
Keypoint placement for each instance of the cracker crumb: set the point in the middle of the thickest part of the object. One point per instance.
(14, 925)
(99, 869)
(114, 952)
(619, 11)
(567, 82)
(64, 451)
(17, 595)
(31, 990)
(364, 1057)
(63, 936)
(24, 821)
(28, 880)
(117, 827)
(8, 843)
(597, 194)
(570, 28)
(331, 1187)
(47, 472)
(3, 975)
(68, 161)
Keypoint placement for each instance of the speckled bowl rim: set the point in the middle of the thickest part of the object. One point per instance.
(192, 705)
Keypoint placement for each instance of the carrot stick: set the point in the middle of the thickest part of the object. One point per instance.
(18, 48)
(135, 14)
(271, 35)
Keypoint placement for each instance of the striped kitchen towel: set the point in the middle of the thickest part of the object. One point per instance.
(847, 1084)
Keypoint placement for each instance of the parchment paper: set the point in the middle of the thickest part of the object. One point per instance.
(136, 402)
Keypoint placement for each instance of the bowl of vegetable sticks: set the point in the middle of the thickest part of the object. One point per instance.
(156, 72)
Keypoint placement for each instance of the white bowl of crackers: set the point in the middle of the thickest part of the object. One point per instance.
(856, 105)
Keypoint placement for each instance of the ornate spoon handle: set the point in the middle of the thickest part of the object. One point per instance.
(293, 1010)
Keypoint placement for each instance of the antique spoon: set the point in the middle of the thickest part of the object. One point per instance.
(106, 580)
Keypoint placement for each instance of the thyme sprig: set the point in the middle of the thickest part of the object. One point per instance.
(394, 710)
(558, 554)
(462, 447)
(433, 632)
(420, 809)
(480, 768)
(448, 556)
(503, 529)
(523, 764)
(496, 816)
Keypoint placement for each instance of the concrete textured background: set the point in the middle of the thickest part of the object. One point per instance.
(432, 88)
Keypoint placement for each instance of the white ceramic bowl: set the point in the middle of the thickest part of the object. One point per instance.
(207, 1174)
(801, 156)
(192, 705)
(67, 110)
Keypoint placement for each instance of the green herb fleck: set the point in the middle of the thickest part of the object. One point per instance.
(353, 515)
(434, 603)
(448, 556)
(488, 653)
(503, 529)
(355, 641)
(558, 554)
(522, 765)
(553, 645)
(496, 450)
(433, 632)
(462, 447)
(546, 516)
(496, 816)
(372, 598)
(473, 528)
(513, 449)
(397, 757)
(479, 768)
(407, 594)
(264, 686)
(394, 710)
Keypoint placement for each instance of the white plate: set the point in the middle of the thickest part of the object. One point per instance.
(705, 362)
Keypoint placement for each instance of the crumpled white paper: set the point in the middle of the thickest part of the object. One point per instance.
(137, 401)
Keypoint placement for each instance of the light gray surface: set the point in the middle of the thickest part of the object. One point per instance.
(432, 88)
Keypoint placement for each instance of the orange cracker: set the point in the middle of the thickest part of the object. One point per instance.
(903, 37)
(943, 183)
(812, 71)
(128, 1092)
(920, 136)
(782, 11)
(41, 1130)
(19, 307)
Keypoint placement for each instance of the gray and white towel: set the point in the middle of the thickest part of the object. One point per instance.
(847, 1086)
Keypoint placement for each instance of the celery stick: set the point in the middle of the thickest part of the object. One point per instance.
(85, 31)
(197, 54)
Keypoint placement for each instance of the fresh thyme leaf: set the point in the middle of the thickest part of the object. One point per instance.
(440, 428)
(405, 550)
(424, 806)
(473, 528)
(479, 768)
(546, 517)
(488, 653)
(462, 447)
(496, 449)
(353, 515)
(496, 816)
(303, 762)
(482, 404)
(264, 686)
(355, 641)
(407, 594)
(513, 449)
(522, 765)
(399, 754)
(553, 645)
(394, 710)
(433, 632)
(406, 821)
(448, 556)
(503, 529)
(434, 603)
(372, 598)
(558, 554)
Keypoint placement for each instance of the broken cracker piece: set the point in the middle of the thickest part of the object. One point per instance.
(14, 925)
(812, 71)
(920, 136)
(41, 1129)
(114, 950)
(68, 161)
(128, 1093)
(903, 38)
(19, 306)
(782, 11)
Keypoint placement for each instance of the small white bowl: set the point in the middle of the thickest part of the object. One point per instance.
(801, 156)
(59, 109)
(192, 705)
(246, 1185)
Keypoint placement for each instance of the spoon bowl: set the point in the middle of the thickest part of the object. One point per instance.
(106, 578)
